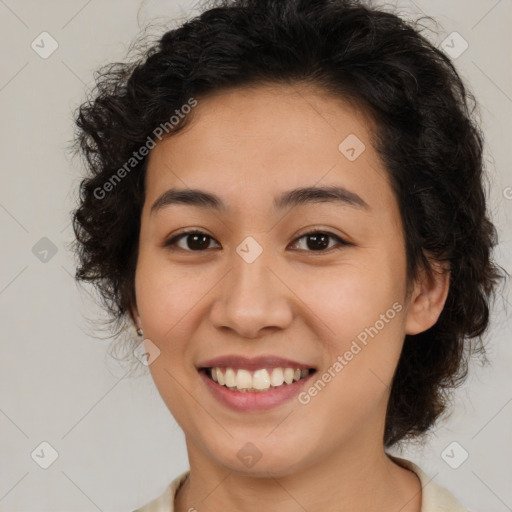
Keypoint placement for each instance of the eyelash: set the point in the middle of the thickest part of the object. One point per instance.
(172, 241)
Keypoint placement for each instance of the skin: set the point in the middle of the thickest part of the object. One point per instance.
(247, 146)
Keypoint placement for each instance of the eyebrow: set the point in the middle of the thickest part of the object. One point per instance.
(290, 198)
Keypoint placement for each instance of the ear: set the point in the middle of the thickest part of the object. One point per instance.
(427, 298)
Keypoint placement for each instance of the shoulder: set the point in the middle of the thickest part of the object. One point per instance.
(165, 502)
(435, 498)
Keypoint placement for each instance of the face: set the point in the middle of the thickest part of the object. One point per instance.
(258, 291)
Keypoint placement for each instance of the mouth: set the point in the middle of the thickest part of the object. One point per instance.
(253, 384)
(260, 380)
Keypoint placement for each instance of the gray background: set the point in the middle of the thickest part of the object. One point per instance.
(117, 444)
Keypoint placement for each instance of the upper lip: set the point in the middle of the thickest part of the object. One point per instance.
(252, 363)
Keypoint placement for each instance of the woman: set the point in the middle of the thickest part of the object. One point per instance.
(285, 200)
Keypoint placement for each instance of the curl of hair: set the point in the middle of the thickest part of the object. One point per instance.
(425, 136)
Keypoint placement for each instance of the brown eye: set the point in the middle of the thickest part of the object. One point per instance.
(318, 241)
(194, 241)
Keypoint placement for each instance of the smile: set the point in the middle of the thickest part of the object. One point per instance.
(257, 381)
(253, 383)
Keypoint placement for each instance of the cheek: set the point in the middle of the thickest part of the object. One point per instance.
(362, 345)
(167, 300)
(350, 297)
(359, 308)
(164, 297)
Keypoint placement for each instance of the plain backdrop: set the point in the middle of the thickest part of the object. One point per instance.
(116, 445)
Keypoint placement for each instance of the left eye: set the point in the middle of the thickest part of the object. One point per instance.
(197, 241)
(318, 241)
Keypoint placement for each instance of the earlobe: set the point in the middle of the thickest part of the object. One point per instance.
(427, 298)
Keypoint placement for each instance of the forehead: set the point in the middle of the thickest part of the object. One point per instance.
(250, 144)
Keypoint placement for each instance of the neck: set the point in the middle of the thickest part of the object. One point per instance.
(365, 480)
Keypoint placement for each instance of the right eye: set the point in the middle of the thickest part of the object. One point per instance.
(195, 241)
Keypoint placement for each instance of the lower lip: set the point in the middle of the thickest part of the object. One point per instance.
(259, 401)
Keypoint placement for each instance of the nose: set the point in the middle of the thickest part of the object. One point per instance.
(252, 299)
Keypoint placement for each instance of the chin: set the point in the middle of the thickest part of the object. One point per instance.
(261, 458)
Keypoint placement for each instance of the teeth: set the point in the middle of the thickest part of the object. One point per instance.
(277, 378)
(289, 373)
(259, 380)
(243, 379)
(230, 378)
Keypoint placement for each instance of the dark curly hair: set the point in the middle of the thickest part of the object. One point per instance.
(426, 137)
